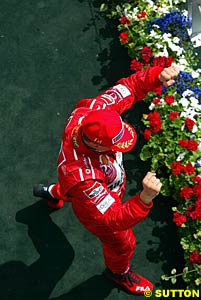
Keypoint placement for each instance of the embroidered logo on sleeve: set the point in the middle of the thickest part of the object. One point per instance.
(123, 90)
(105, 203)
(94, 190)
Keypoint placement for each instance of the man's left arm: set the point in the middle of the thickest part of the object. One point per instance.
(148, 80)
(131, 89)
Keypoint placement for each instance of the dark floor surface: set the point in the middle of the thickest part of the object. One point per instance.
(52, 54)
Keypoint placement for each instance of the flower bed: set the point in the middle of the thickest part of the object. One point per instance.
(156, 33)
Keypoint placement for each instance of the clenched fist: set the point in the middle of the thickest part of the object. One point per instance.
(151, 187)
(168, 74)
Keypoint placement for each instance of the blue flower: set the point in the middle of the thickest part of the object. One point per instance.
(174, 22)
(185, 81)
(198, 163)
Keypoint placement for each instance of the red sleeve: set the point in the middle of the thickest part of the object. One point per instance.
(93, 201)
(126, 92)
(128, 214)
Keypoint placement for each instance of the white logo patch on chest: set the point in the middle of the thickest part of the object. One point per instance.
(113, 170)
(105, 203)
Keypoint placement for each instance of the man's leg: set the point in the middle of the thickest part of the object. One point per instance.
(118, 253)
(118, 248)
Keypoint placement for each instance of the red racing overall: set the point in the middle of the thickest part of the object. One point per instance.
(95, 182)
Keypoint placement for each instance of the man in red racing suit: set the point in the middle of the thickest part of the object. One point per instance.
(91, 174)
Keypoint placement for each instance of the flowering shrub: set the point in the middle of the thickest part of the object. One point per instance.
(157, 33)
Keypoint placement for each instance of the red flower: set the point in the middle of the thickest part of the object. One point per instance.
(192, 145)
(186, 192)
(123, 37)
(147, 134)
(195, 257)
(155, 122)
(173, 115)
(189, 123)
(146, 53)
(197, 212)
(142, 14)
(178, 218)
(136, 65)
(189, 169)
(124, 20)
(169, 99)
(194, 211)
(183, 143)
(176, 168)
(156, 100)
(197, 178)
(197, 190)
(163, 61)
(189, 144)
(189, 210)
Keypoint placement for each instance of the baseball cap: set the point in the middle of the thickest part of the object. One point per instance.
(106, 128)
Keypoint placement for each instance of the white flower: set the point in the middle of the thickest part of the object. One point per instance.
(195, 74)
(135, 12)
(180, 156)
(183, 61)
(150, 2)
(179, 51)
(166, 36)
(191, 113)
(195, 128)
(159, 46)
(185, 12)
(163, 9)
(176, 40)
(154, 34)
(155, 25)
(151, 106)
(183, 114)
(198, 108)
(194, 101)
(163, 53)
(184, 102)
(187, 93)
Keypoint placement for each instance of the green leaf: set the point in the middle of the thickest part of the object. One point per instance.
(173, 280)
(165, 277)
(145, 153)
(185, 270)
(103, 7)
(174, 271)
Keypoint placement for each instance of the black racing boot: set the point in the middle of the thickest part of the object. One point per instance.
(40, 190)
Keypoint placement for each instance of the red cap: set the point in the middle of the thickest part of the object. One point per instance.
(105, 127)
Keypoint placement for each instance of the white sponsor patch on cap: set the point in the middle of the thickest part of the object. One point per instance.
(105, 204)
(123, 90)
